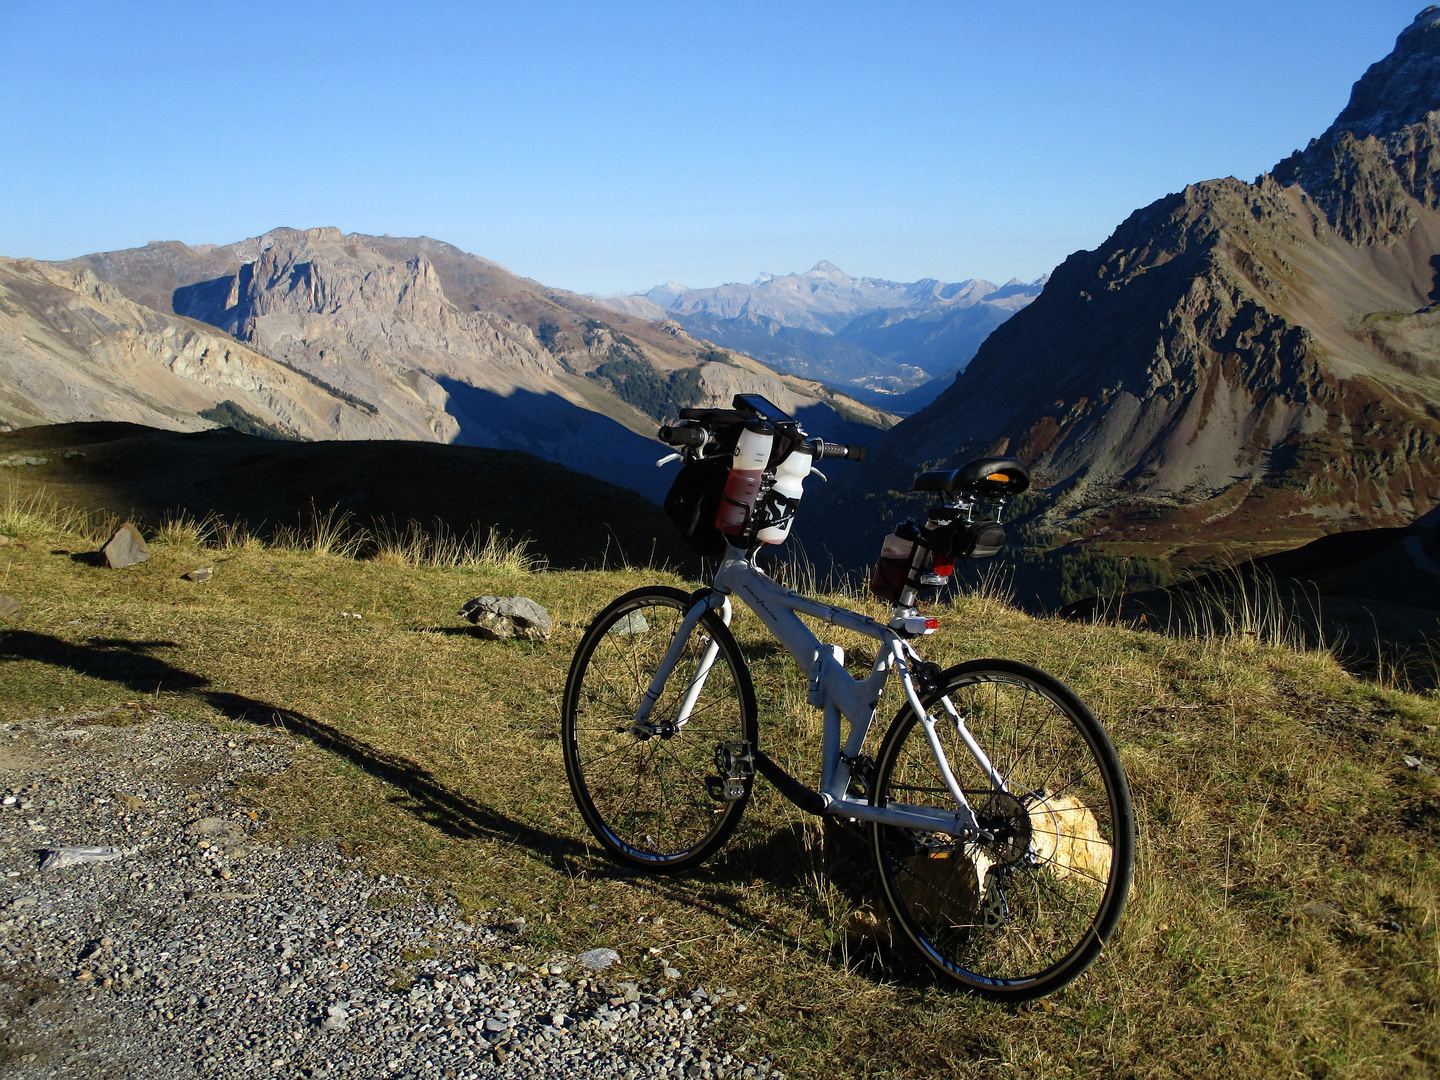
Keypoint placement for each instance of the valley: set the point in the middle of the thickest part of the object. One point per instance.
(895, 345)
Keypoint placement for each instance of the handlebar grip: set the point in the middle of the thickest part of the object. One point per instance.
(842, 450)
(684, 435)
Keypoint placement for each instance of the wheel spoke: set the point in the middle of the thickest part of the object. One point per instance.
(646, 800)
(1058, 909)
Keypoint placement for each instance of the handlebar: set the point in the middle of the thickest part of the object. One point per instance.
(691, 434)
(684, 435)
(849, 451)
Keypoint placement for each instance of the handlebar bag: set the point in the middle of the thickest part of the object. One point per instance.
(694, 499)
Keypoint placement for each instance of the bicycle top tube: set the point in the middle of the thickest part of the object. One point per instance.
(775, 604)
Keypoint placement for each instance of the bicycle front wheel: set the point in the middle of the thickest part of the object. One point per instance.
(1020, 915)
(645, 789)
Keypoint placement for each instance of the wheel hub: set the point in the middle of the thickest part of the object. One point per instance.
(1007, 819)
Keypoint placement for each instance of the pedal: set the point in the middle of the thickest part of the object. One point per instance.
(724, 790)
(735, 762)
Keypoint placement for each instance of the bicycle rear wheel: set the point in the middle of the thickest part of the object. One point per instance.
(1023, 914)
(643, 790)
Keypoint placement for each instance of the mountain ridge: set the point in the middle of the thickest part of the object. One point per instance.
(895, 344)
(403, 338)
(1238, 365)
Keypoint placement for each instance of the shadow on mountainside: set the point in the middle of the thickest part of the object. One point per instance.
(555, 429)
(1371, 596)
(570, 519)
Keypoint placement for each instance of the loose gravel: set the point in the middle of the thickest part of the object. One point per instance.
(201, 952)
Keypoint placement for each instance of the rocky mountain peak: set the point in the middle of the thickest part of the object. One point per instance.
(1402, 88)
(1383, 150)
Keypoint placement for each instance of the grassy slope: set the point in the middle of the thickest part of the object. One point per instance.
(1284, 915)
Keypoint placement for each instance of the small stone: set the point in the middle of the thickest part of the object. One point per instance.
(501, 617)
(203, 573)
(631, 624)
(1411, 762)
(126, 548)
(598, 959)
(671, 973)
(337, 1018)
(130, 802)
(496, 1025)
(60, 858)
(9, 607)
(1318, 909)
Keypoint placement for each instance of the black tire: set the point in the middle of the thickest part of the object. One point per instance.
(1020, 916)
(645, 798)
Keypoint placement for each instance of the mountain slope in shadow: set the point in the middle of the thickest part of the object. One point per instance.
(571, 519)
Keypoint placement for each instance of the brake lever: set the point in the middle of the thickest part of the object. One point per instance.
(816, 472)
(669, 458)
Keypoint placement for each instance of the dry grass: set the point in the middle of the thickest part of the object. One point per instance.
(23, 512)
(1285, 909)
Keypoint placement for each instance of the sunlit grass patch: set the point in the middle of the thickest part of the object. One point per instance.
(1283, 920)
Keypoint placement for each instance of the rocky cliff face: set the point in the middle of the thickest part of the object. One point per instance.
(73, 348)
(1239, 364)
(414, 339)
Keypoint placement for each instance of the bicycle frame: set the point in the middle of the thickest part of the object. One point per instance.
(832, 689)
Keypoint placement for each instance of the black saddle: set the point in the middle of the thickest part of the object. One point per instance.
(989, 477)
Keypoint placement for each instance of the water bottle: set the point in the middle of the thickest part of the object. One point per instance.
(894, 562)
(747, 470)
(779, 503)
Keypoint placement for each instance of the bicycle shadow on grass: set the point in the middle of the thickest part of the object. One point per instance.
(798, 862)
(786, 859)
(133, 665)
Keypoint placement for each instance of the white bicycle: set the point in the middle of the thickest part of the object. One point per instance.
(999, 819)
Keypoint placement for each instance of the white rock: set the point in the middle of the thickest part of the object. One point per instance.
(598, 959)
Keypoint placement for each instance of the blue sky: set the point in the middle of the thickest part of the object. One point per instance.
(607, 147)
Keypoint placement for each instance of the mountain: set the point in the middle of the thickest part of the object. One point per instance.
(893, 344)
(1240, 366)
(73, 348)
(354, 336)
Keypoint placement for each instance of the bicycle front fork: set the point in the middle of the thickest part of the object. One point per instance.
(641, 727)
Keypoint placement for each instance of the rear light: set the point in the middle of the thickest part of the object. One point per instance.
(916, 625)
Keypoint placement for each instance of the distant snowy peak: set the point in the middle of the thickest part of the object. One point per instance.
(666, 294)
(879, 339)
(822, 292)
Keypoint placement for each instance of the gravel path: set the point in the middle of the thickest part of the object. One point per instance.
(198, 952)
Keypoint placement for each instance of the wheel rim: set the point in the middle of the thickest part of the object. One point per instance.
(647, 795)
(1032, 904)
